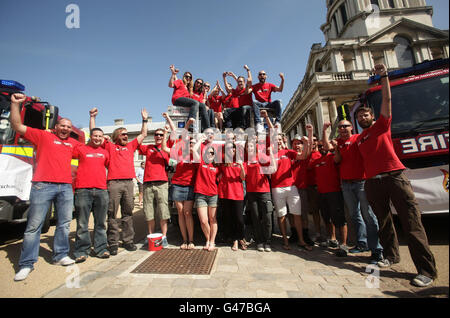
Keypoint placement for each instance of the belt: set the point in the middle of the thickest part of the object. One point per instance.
(387, 174)
(352, 180)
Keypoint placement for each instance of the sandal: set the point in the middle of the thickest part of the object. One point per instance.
(191, 246)
(305, 247)
(243, 245)
(80, 259)
(104, 255)
(184, 246)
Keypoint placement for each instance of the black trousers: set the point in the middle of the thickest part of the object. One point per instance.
(233, 218)
(261, 209)
(397, 188)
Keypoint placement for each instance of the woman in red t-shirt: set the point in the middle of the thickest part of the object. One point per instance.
(199, 93)
(231, 195)
(258, 165)
(182, 186)
(215, 101)
(181, 96)
(206, 192)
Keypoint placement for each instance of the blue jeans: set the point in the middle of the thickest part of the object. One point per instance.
(87, 200)
(362, 216)
(276, 105)
(41, 196)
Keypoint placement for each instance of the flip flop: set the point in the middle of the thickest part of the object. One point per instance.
(184, 246)
(191, 246)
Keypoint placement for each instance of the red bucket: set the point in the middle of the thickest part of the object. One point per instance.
(155, 242)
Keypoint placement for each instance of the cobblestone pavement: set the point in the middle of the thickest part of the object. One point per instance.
(248, 274)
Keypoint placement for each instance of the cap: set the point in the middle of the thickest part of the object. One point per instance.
(297, 137)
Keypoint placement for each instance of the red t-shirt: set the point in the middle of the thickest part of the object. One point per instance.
(263, 92)
(92, 163)
(185, 172)
(121, 160)
(243, 98)
(351, 166)
(310, 178)
(206, 178)
(215, 103)
(255, 180)
(299, 171)
(179, 90)
(327, 175)
(377, 150)
(230, 102)
(230, 184)
(198, 97)
(283, 176)
(155, 163)
(53, 156)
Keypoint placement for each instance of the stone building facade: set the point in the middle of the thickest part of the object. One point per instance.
(358, 35)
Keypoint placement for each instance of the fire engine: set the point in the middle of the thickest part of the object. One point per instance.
(420, 111)
(17, 157)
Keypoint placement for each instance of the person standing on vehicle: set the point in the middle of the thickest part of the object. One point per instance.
(52, 181)
(120, 183)
(387, 182)
(91, 194)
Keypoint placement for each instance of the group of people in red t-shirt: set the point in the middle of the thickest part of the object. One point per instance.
(228, 109)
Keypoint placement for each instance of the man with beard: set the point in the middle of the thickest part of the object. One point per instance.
(52, 181)
(387, 182)
(121, 173)
(262, 92)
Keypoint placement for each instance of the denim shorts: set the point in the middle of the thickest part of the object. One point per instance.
(180, 193)
(202, 200)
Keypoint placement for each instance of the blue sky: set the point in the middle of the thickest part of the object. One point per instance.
(119, 58)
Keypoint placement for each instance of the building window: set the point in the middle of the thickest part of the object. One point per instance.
(343, 14)
(403, 52)
(391, 3)
(336, 26)
(437, 53)
(375, 3)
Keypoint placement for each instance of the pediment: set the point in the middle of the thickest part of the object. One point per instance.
(413, 30)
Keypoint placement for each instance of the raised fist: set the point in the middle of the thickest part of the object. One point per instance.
(93, 112)
(18, 98)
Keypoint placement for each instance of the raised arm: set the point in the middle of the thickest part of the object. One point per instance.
(140, 138)
(280, 88)
(266, 117)
(225, 81)
(248, 88)
(326, 143)
(386, 103)
(164, 141)
(307, 143)
(16, 122)
(92, 114)
(173, 76)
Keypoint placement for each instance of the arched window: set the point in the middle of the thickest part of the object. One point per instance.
(317, 67)
(404, 52)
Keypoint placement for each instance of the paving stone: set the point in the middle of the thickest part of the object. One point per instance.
(352, 289)
(227, 268)
(182, 282)
(111, 291)
(274, 293)
(296, 294)
(312, 279)
(157, 292)
(239, 293)
(207, 283)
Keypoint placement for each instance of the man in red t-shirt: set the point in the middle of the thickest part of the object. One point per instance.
(91, 194)
(263, 98)
(121, 173)
(387, 182)
(52, 182)
(238, 117)
(351, 172)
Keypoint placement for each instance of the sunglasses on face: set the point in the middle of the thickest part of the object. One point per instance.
(124, 134)
(262, 74)
(344, 126)
(187, 76)
(159, 135)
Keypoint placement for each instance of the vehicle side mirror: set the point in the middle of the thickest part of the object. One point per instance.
(50, 116)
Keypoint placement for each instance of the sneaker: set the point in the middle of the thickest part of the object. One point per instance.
(308, 240)
(267, 248)
(260, 128)
(164, 242)
(113, 250)
(65, 261)
(333, 243)
(358, 249)
(342, 251)
(421, 281)
(260, 247)
(384, 263)
(325, 243)
(22, 274)
(375, 258)
(130, 247)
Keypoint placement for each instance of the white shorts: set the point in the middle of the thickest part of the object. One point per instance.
(283, 197)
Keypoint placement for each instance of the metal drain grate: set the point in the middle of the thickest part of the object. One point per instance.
(177, 261)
